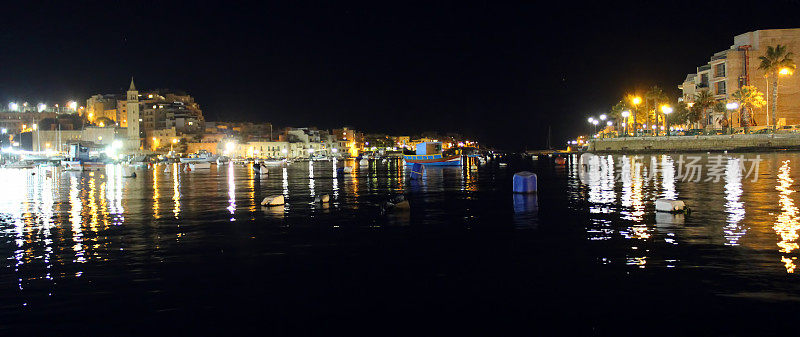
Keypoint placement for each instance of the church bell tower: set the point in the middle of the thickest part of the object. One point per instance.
(133, 117)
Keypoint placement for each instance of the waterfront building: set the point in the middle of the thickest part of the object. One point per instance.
(730, 69)
(349, 139)
(55, 140)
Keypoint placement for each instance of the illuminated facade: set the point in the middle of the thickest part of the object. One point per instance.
(730, 69)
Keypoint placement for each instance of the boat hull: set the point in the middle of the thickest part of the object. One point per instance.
(433, 160)
(77, 165)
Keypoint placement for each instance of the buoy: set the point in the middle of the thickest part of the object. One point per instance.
(525, 182)
(322, 198)
(274, 200)
(672, 206)
(364, 162)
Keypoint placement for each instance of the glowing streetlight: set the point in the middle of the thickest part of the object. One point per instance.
(636, 100)
(334, 150)
(625, 115)
(41, 107)
(666, 109)
(785, 71)
(13, 106)
(72, 105)
(603, 117)
(731, 107)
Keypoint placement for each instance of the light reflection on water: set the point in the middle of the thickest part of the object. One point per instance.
(733, 212)
(55, 223)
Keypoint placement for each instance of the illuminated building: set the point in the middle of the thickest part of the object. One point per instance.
(737, 66)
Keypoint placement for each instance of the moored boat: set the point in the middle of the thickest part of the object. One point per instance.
(430, 153)
(79, 160)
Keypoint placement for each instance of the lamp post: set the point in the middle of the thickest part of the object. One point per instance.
(666, 109)
(595, 122)
(636, 100)
(602, 118)
(609, 124)
(625, 115)
(174, 141)
(591, 120)
(730, 107)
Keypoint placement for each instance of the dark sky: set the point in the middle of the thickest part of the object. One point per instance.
(501, 72)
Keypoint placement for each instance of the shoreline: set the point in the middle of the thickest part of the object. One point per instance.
(716, 143)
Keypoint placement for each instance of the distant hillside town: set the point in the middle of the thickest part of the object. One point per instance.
(167, 121)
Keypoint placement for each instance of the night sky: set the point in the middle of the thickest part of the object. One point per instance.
(500, 72)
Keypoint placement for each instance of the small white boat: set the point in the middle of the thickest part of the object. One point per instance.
(200, 157)
(280, 162)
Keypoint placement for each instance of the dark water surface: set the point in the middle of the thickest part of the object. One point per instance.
(195, 253)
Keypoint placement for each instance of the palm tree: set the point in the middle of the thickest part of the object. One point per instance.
(657, 97)
(680, 114)
(703, 100)
(748, 98)
(776, 61)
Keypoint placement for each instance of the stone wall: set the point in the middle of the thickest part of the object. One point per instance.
(696, 143)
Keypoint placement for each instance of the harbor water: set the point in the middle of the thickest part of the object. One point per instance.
(195, 252)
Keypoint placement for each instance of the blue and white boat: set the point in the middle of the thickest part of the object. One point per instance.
(430, 154)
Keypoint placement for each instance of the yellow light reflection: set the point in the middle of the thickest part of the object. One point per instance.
(787, 223)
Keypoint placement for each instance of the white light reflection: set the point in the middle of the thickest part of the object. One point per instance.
(733, 231)
(231, 191)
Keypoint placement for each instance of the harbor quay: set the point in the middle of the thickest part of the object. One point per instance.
(698, 143)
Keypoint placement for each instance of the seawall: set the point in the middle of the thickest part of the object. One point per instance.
(697, 143)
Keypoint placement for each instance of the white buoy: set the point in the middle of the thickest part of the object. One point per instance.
(273, 200)
(322, 198)
(525, 182)
(666, 205)
(364, 162)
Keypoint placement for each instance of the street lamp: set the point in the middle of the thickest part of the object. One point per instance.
(636, 100)
(174, 141)
(625, 115)
(595, 122)
(666, 109)
(730, 107)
